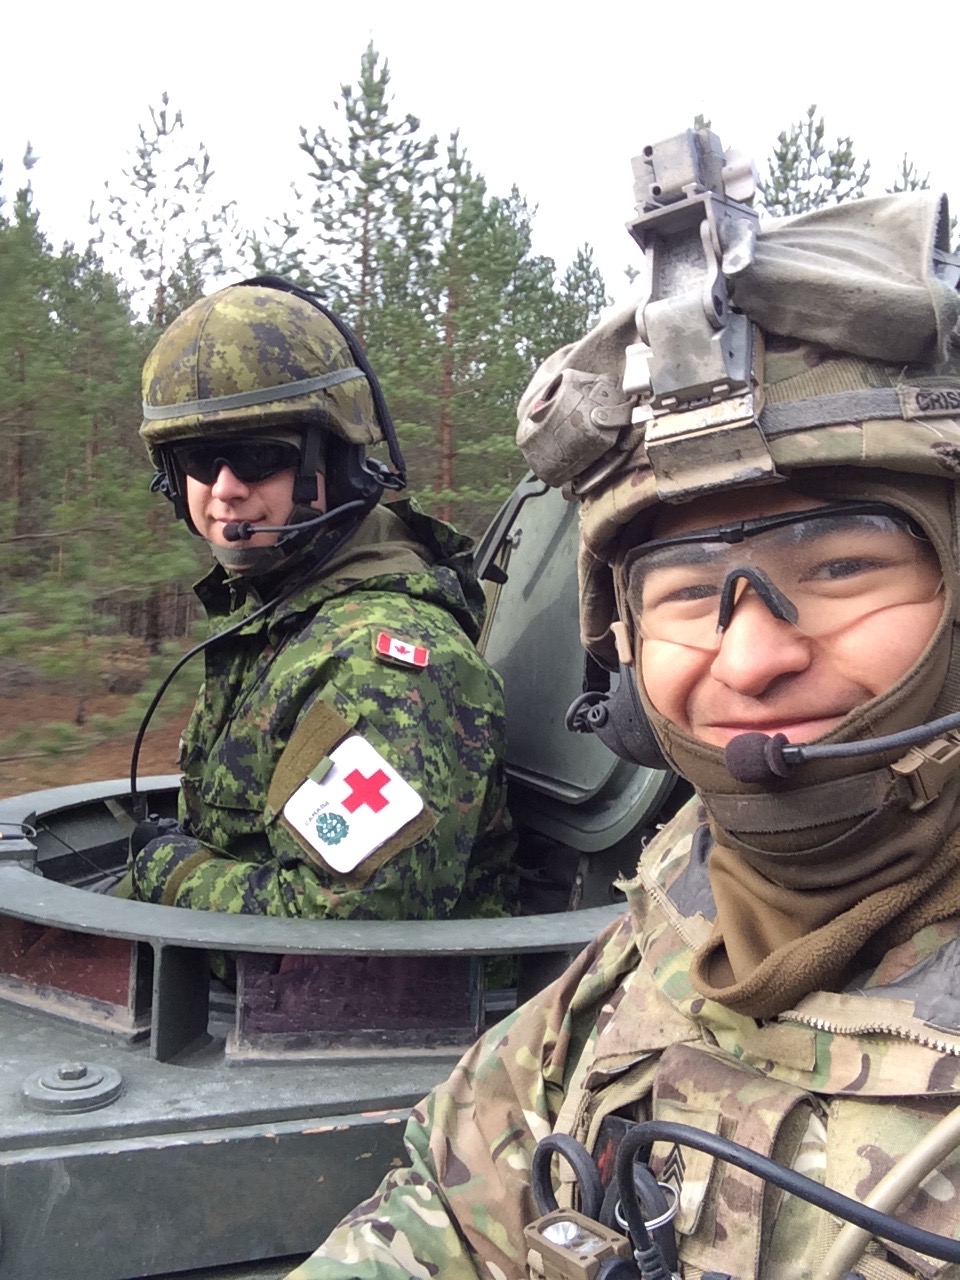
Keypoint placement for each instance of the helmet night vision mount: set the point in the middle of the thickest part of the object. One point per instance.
(693, 367)
(689, 384)
(689, 380)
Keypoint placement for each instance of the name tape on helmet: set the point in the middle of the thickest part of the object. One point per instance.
(929, 402)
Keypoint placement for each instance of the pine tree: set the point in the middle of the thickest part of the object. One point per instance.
(803, 173)
(74, 551)
(35, 388)
(167, 221)
(489, 311)
(359, 176)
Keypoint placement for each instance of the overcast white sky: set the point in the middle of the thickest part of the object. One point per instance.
(554, 98)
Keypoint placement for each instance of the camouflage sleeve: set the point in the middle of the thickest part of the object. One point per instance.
(458, 1210)
(441, 728)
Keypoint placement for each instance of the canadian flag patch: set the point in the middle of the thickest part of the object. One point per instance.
(358, 804)
(393, 649)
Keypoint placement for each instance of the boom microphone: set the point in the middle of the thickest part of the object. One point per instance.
(761, 757)
(243, 530)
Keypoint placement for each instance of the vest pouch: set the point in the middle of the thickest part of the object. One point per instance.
(726, 1215)
(866, 1140)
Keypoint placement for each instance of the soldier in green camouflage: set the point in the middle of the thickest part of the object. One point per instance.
(344, 758)
(786, 567)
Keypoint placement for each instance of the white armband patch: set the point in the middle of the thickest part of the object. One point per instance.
(359, 803)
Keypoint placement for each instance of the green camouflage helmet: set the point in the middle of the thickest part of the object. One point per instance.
(252, 358)
(857, 374)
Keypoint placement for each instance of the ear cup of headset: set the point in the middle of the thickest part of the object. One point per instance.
(621, 724)
(346, 476)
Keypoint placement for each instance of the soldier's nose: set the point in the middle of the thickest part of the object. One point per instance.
(227, 486)
(757, 647)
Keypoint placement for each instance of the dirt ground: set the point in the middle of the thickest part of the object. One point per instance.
(108, 759)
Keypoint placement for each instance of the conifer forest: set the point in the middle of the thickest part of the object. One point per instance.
(399, 233)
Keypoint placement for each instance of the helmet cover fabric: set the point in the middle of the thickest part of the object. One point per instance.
(242, 342)
(848, 302)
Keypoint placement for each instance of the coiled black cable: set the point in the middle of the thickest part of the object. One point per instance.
(353, 509)
(654, 1251)
(637, 1143)
(577, 1156)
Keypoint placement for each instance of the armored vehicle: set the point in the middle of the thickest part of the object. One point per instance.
(154, 1122)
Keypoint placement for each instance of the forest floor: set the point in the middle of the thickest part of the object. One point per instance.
(104, 757)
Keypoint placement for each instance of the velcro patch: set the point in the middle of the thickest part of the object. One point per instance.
(929, 402)
(358, 805)
(392, 649)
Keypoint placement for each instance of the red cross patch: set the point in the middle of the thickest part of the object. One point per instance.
(368, 791)
(353, 806)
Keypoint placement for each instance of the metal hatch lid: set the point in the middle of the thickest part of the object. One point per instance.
(567, 785)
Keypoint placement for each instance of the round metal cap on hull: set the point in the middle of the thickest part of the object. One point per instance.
(72, 1086)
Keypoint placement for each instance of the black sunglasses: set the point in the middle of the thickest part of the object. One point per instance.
(249, 460)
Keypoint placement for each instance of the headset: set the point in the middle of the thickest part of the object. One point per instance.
(354, 486)
(350, 475)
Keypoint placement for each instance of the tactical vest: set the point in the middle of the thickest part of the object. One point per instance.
(839, 1088)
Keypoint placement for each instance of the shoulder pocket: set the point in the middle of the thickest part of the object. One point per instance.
(298, 784)
(321, 728)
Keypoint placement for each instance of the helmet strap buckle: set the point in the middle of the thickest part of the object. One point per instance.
(926, 769)
(305, 489)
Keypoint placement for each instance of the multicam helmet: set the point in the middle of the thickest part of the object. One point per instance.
(836, 385)
(820, 352)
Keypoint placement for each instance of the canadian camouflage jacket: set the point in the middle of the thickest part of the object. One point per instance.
(377, 655)
(840, 1088)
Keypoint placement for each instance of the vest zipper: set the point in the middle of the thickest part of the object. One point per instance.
(673, 917)
(836, 1028)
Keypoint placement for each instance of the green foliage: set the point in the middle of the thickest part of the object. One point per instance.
(167, 221)
(436, 271)
(438, 276)
(908, 177)
(58, 736)
(82, 544)
(360, 176)
(20, 740)
(803, 173)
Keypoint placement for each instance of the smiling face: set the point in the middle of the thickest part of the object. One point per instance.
(228, 499)
(766, 674)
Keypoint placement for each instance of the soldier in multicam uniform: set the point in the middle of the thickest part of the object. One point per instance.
(344, 757)
(785, 977)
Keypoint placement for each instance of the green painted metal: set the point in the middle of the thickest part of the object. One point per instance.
(226, 1168)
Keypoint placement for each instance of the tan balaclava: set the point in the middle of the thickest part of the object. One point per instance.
(858, 397)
